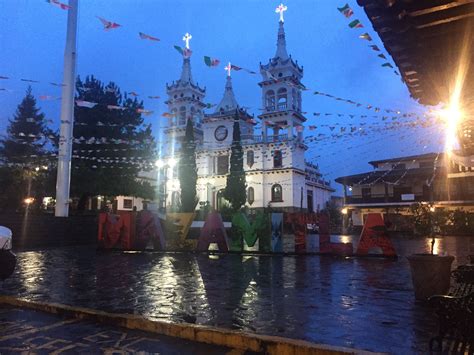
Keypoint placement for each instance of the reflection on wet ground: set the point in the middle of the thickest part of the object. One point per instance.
(363, 303)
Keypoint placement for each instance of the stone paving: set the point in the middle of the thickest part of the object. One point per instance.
(361, 303)
(26, 331)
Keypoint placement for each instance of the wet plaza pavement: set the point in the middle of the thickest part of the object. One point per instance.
(354, 302)
(26, 331)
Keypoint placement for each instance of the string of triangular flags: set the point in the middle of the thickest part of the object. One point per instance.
(347, 11)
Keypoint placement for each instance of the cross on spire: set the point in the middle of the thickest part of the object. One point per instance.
(186, 38)
(281, 9)
(228, 68)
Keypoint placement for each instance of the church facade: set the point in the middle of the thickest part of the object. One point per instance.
(277, 174)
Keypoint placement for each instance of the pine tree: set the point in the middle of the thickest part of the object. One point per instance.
(187, 170)
(25, 156)
(235, 190)
(111, 146)
(27, 135)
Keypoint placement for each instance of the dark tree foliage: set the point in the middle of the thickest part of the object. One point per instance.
(187, 171)
(25, 156)
(114, 146)
(235, 190)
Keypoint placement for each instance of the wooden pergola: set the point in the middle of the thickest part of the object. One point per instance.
(428, 40)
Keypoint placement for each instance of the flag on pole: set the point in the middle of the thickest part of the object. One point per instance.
(58, 4)
(145, 36)
(366, 36)
(82, 103)
(211, 62)
(108, 25)
(381, 55)
(355, 24)
(387, 65)
(346, 10)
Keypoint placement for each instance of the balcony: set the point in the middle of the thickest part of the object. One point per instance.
(380, 198)
(277, 138)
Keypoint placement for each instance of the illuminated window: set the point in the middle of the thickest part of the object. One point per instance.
(250, 195)
(277, 193)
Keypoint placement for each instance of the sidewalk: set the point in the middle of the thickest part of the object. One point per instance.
(24, 330)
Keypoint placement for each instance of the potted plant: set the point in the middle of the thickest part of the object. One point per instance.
(431, 273)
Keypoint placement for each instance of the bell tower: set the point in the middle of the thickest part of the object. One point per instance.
(282, 117)
(185, 101)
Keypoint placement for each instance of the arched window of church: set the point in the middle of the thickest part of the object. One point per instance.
(277, 159)
(282, 99)
(182, 115)
(250, 195)
(277, 193)
(270, 100)
(174, 118)
(250, 158)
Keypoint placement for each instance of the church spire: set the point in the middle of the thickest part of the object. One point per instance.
(281, 43)
(228, 101)
(186, 76)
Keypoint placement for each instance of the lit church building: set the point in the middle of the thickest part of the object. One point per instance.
(277, 174)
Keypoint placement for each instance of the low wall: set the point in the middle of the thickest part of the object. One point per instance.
(40, 230)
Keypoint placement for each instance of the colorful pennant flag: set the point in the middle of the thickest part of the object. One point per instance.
(185, 52)
(29, 80)
(381, 55)
(58, 4)
(55, 84)
(145, 112)
(366, 36)
(168, 115)
(235, 67)
(355, 24)
(4, 77)
(82, 103)
(48, 98)
(346, 10)
(133, 93)
(375, 48)
(153, 97)
(108, 25)
(387, 65)
(145, 36)
(114, 107)
(211, 62)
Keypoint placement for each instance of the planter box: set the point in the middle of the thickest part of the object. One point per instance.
(431, 274)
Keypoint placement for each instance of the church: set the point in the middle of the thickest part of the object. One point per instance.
(277, 175)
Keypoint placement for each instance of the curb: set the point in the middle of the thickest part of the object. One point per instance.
(198, 333)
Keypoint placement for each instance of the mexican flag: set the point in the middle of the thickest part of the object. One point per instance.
(355, 24)
(346, 10)
(366, 36)
(211, 62)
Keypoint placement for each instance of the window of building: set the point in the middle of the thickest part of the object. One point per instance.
(182, 115)
(250, 195)
(222, 164)
(426, 164)
(270, 100)
(127, 203)
(175, 199)
(366, 192)
(250, 158)
(173, 118)
(277, 193)
(277, 159)
(282, 99)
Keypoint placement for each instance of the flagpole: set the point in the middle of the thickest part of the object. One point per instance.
(67, 115)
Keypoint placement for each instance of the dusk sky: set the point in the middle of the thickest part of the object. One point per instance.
(335, 60)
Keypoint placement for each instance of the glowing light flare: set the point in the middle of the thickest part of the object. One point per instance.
(29, 200)
(159, 163)
(452, 115)
(344, 211)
